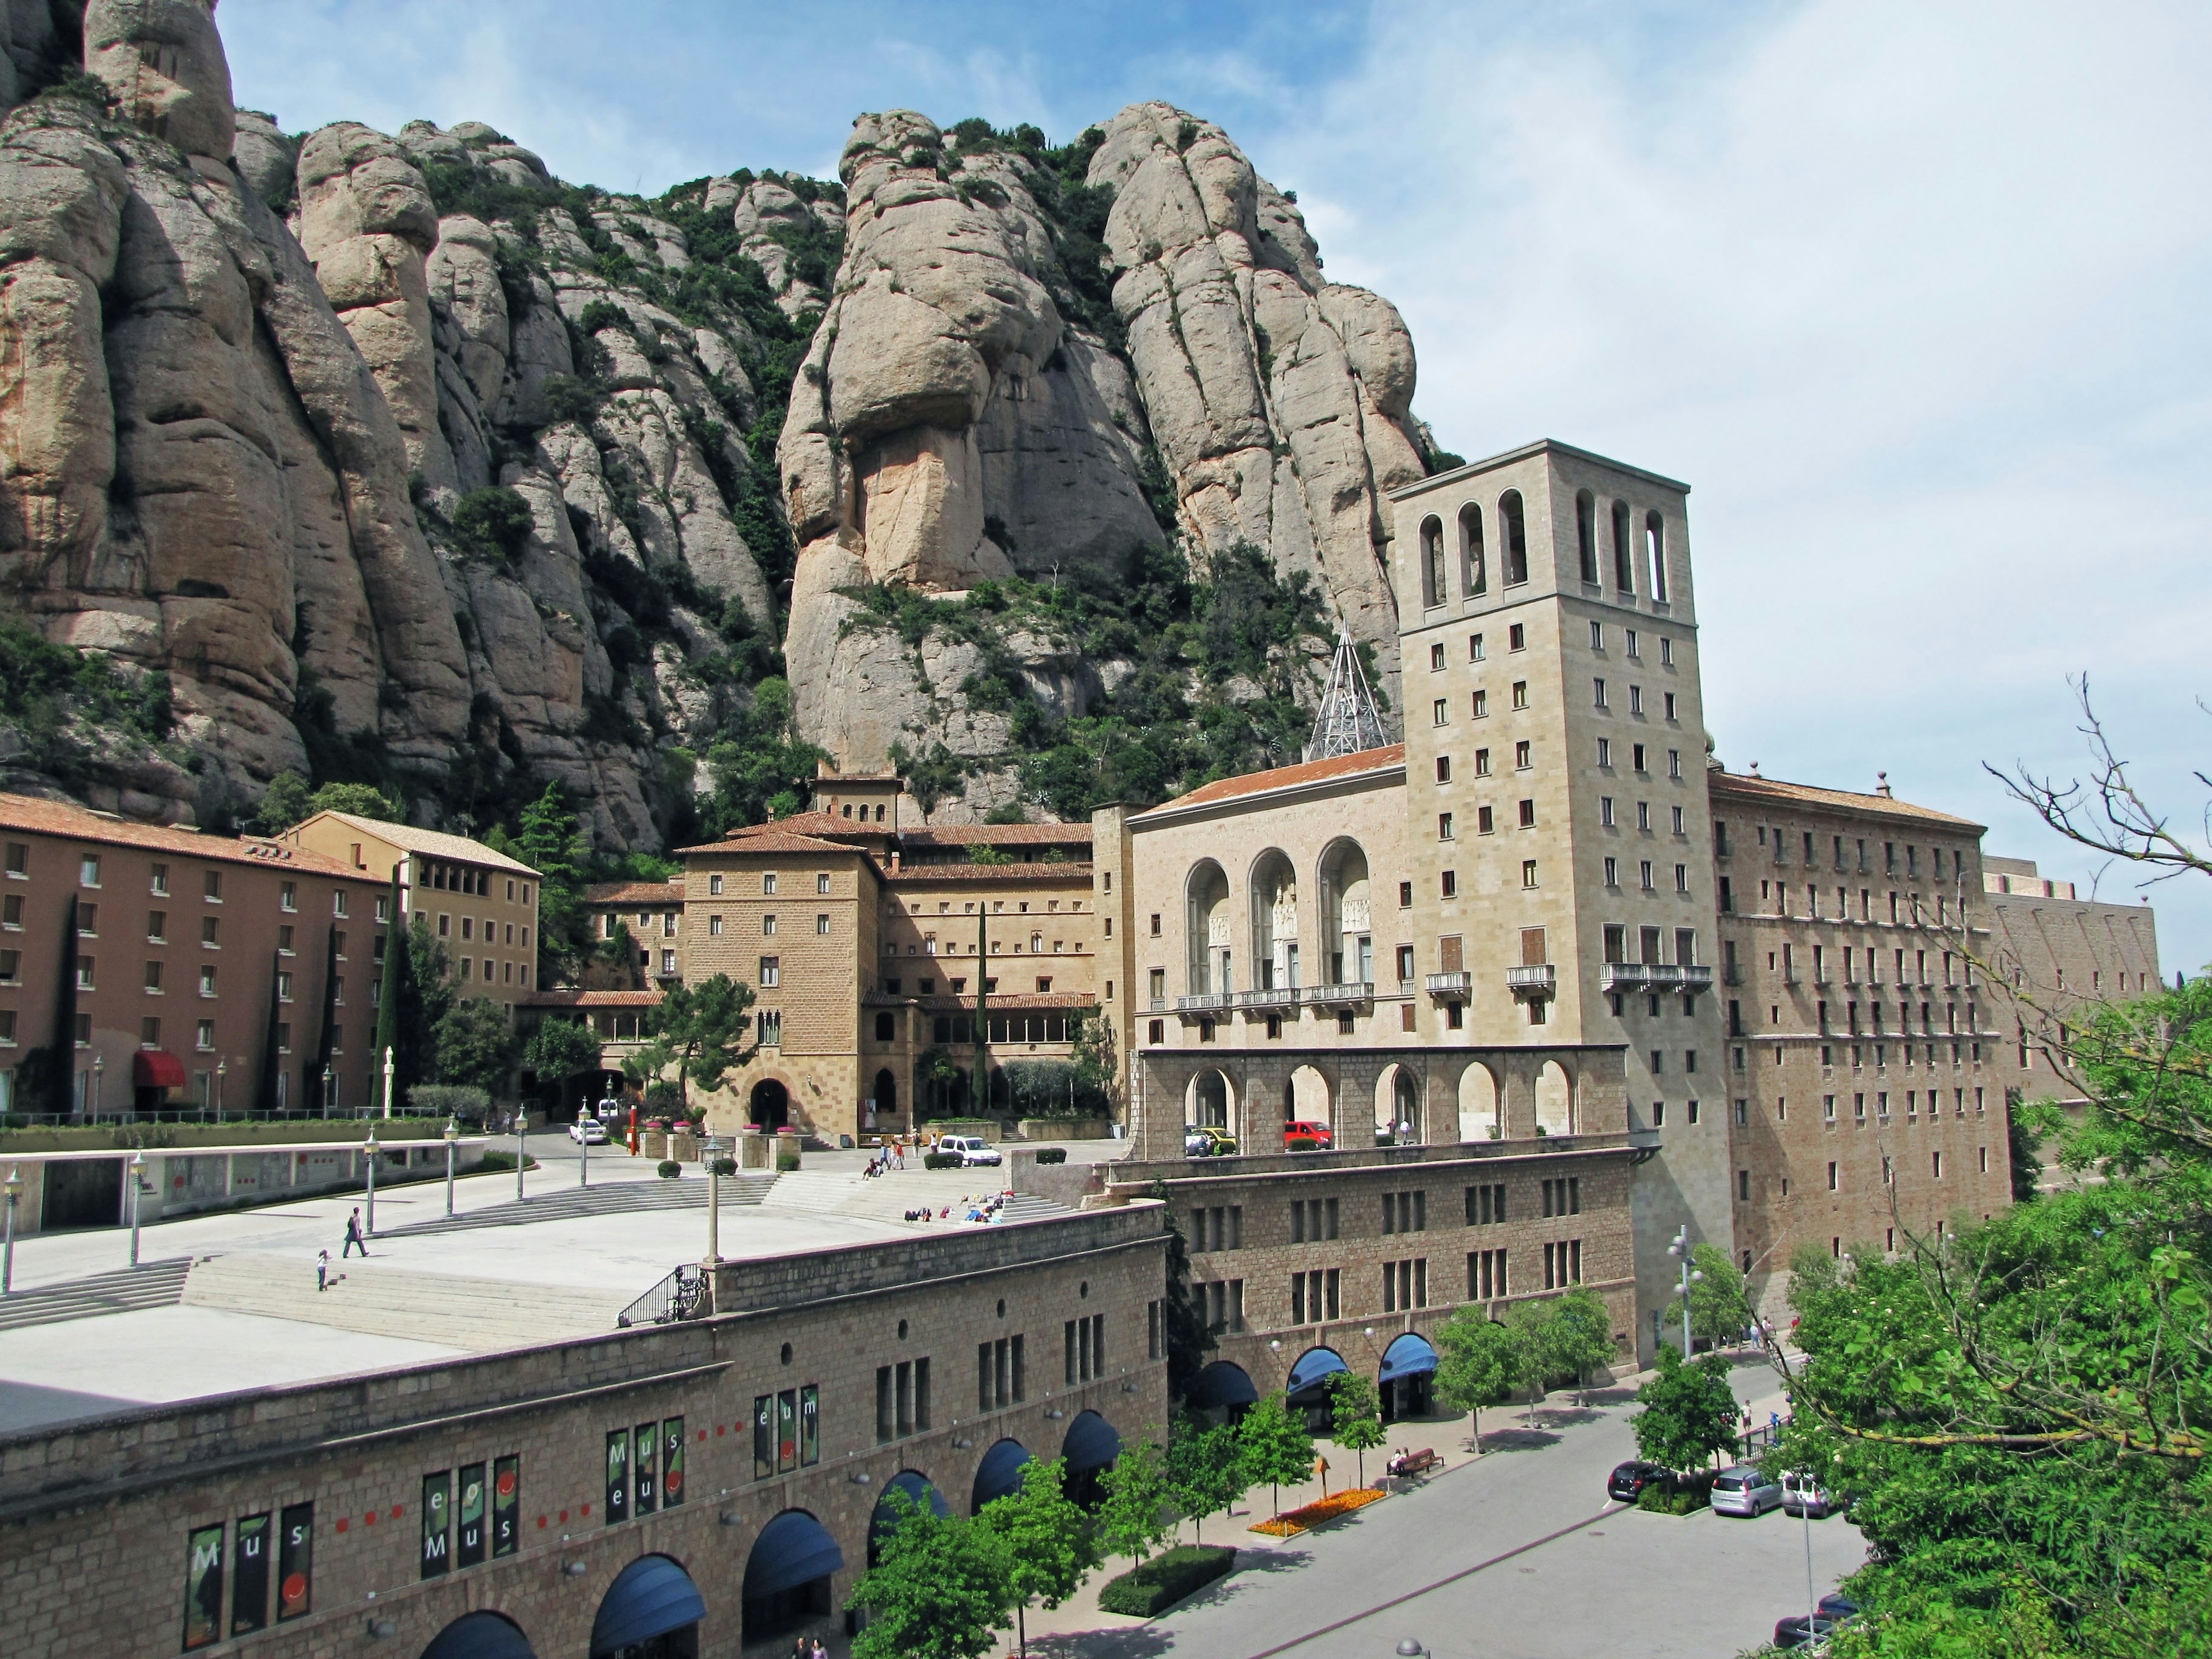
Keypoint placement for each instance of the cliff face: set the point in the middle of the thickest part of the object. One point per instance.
(397, 459)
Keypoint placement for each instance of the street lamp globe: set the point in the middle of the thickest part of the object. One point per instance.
(1412, 1648)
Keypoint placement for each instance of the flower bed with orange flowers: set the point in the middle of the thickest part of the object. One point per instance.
(1307, 1516)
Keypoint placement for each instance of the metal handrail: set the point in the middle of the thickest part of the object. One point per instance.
(680, 1295)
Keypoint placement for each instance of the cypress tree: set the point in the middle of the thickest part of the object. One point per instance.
(387, 1012)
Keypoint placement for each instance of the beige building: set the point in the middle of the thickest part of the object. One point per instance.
(481, 905)
(651, 914)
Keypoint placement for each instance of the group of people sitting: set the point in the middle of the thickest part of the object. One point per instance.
(891, 1157)
(968, 1209)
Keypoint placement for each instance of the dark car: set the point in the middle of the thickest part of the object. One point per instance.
(1799, 1629)
(1626, 1483)
(1838, 1607)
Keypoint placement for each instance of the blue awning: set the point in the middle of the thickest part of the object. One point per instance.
(479, 1636)
(998, 1473)
(1315, 1366)
(1223, 1384)
(1091, 1443)
(919, 1492)
(1408, 1355)
(791, 1550)
(649, 1597)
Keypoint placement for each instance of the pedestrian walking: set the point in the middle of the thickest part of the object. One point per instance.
(322, 1270)
(353, 1238)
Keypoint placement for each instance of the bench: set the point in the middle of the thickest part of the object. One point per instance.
(1414, 1463)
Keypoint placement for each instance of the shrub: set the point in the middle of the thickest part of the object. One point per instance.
(458, 1100)
(1682, 1494)
(940, 1160)
(664, 1099)
(786, 1162)
(722, 1166)
(669, 1169)
(1052, 1155)
(492, 523)
(1164, 1580)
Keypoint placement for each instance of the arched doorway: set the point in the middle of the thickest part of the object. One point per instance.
(1210, 1101)
(1089, 1449)
(1210, 960)
(1306, 1388)
(480, 1635)
(1305, 1099)
(787, 1576)
(887, 1514)
(1223, 1393)
(652, 1611)
(770, 1105)
(1347, 938)
(1274, 910)
(1409, 1367)
(998, 1474)
(883, 1102)
(1555, 1100)
(1481, 1116)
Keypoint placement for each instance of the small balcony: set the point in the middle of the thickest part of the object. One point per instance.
(1539, 980)
(1352, 993)
(1206, 1002)
(1449, 985)
(1656, 976)
(1277, 997)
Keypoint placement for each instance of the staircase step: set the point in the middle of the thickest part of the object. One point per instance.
(152, 1285)
(476, 1314)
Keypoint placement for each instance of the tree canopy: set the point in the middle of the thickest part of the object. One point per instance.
(1475, 1364)
(938, 1590)
(1689, 1412)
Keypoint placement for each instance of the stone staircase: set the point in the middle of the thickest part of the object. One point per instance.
(616, 1198)
(813, 1192)
(478, 1315)
(154, 1285)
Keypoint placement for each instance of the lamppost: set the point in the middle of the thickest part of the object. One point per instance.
(137, 1185)
(372, 1149)
(711, 1153)
(1679, 1246)
(389, 1069)
(330, 1082)
(452, 1134)
(522, 1147)
(99, 1086)
(221, 1067)
(13, 1187)
(584, 1146)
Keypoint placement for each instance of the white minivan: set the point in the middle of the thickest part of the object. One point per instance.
(970, 1148)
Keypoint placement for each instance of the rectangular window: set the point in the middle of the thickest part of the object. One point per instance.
(771, 970)
(1528, 873)
(821, 925)
(1450, 883)
(1439, 713)
(1481, 705)
(1523, 756)
(1605, 751)
(1443, 826)
(1597, 688)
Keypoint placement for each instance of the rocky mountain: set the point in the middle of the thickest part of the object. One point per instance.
(393, 458)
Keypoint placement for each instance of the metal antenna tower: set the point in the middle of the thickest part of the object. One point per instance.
(1346, 722)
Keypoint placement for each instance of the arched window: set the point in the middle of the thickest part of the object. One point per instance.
(1586, 534)
(1474, 571)
(1205, 912)
(1624, 550)
(1516, 538)
(1433, 591)
(1655, 549)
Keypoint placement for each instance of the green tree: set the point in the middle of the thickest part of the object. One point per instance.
(1529, 1326)
(283, 805)
(1139, 1513)
(1355, 1416)
(1718, 1313)
(1475, 1365)
(364, 800)
(1689, 1411)
(476, 1046)
(1275, 1446)
(551, 842)
(560, 1048)
(1205, 1469)
(1046, 1538)
(415, 995)
(492, 523)
(700, 1030)
(939, 1590)
(1581, 1335)
(1184, 1331)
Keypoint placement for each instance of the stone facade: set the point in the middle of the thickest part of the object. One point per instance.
(113, 1505)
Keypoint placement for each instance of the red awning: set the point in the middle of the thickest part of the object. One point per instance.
(157, 1068)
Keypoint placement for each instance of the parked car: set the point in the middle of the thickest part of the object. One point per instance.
(1224, 1143)
(970, 1150)
(588, 1132)
(1743, 1490)
(1195, 1144)
(1626, 1483)
(1801, 1629)
(1841, 1608)
(1303, 1135)
(1803, 1495)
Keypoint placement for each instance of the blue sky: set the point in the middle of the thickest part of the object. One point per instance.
(1913, 296)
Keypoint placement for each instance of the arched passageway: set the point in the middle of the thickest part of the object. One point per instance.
(1398, 1108)
(1307, 1388)
(1088, 1451)
(998, 1474)
(918, 1491)
(652, 1611)
(1210, 1101)
(1224, 1392)
(1555, 1100)
(1481, 1116)
(1409, 1368)
(769, 1107)
(480, 1635)
(787, 1576)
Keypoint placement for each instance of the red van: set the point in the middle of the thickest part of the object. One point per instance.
(1303, 1136)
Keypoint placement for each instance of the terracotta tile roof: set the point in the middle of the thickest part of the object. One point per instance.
(773, 838)
(459, 848)
(814, 823)
(591, 1000)
(1748, 789)
(1289, 777)
(635, 893)
(997, 835)
(55, 818)
(908, 874)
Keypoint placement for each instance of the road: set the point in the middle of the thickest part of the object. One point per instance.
(1513, 1556)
